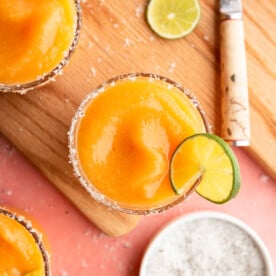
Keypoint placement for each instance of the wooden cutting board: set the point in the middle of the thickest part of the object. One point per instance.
(115, 39)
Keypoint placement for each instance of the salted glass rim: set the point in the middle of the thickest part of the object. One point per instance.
(35, 234)
(22, 88)
(73, 154)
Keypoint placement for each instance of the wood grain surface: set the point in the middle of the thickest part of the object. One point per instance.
(115, 39)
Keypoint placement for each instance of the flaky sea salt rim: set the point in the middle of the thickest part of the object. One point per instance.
(48, 77)
(36, 235)
(80, 175)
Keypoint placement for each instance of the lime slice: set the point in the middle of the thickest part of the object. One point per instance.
(173, 18)
(207, 163)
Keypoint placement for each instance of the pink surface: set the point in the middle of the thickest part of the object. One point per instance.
(77, 247)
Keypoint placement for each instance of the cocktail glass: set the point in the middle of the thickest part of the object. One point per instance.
(145, 88)
(31, 235)
(40, 80)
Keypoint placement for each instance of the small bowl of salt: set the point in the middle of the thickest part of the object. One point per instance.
(206, 243)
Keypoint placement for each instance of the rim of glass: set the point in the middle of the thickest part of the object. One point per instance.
(35, 234)
(73, 154)
(22, 88)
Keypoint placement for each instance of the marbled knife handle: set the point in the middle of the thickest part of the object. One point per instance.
(235, 105)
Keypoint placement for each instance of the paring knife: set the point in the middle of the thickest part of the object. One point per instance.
(235, 104)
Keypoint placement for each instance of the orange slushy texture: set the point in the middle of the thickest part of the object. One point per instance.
(34, 37)
(19, 252)
(126, 139)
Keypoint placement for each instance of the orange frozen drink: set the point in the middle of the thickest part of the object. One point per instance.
(123, 136)
(21, 248)
(36, 37)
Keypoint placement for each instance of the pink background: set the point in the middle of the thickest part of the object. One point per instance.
(77, 247)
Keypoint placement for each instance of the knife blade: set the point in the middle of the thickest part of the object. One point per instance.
(230, 9)
(235, 103)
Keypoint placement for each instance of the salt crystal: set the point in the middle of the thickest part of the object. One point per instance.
(139, 10)
(90, 44)
(87, 232)
(95, 38)
(116, 25)
(126, 42)
(264, 178)
(93, 71)
(206, 37)
(8, 192)
(107, 48)
(63, 273)
(172, 67)
(127, 244)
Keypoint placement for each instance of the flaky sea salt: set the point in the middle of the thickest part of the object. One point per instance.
(8, 192)
(206, 247)
(139, 10)
(264, 178)
(172, 67)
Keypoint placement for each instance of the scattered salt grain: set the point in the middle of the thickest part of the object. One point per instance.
(90, 45)
(116, 26)
(126, 42)
(8, 192)
(107, 48)
(96, 39)
(172, 67)
(206, 37)
(264, 178)
(126, 244)
(139, 10)
(93, 71)
(63, 273)
(205, 247)
(87, 233)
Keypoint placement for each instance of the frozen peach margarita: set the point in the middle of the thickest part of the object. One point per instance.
(36, 37)
(123, 136)
(21, 250)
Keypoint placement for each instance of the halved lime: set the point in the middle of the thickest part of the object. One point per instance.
(173, 18)
(207, 163)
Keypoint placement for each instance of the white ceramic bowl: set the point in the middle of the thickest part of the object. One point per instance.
(180, 250)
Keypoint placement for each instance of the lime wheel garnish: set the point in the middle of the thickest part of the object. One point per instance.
(206, 163)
